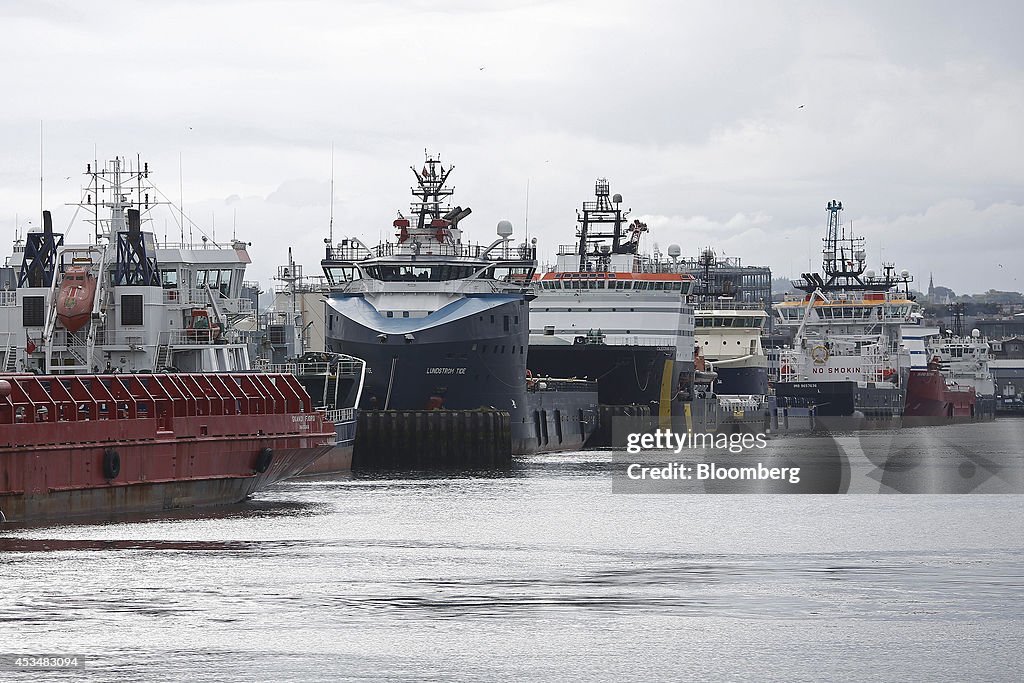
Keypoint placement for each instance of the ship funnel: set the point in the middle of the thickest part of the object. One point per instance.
(462, 214)
(134, 223)
(453, 213)
(47, 223)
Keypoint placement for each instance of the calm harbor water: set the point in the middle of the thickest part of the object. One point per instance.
(540, 573)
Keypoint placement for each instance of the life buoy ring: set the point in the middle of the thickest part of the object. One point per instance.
(820, 354)
(111, 464)
(263, 460)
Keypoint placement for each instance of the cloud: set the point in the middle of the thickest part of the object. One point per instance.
(689, 109)
(301, 193)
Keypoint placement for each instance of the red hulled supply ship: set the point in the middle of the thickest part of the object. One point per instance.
(99, 444)
(929, 395)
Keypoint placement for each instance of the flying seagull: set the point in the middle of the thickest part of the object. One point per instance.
(800, 107)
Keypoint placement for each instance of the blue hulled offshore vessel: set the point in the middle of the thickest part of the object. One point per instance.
(442, 323)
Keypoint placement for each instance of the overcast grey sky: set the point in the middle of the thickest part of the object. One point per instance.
(911, 116)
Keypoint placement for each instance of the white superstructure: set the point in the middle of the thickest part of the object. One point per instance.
(602, 290)
(729, 333)
(155, 305)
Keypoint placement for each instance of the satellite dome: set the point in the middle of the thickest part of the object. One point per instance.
(674, 251)
(869, 274)
(904, 273)
(617, 198)
(975, 333)
(504, 228)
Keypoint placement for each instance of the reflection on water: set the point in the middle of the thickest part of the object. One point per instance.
(542, 573)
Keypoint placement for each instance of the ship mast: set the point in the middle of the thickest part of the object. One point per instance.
(432, 192)
(602, 212)
(843, 254)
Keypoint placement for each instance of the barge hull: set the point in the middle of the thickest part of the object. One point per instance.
(153, 496)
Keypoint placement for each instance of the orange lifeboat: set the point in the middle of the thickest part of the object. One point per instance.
(75, 298)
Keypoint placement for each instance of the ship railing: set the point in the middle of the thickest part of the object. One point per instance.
(463, 286)
(207, 245)
(741, 402)
(869, 365)
(8, 297)
(197, 337)
(105, 337)
(638, 340)
(62, 339)
(244, 307)
(337, 415)
(198, 298)
(339, 367)
(166, 397)
(307, 285)
(186, 296)
(558, 384)
(708, 306)
(477, 251)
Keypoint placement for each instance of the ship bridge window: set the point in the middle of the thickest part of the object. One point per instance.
(516, 274)
(169, 278)
(418, 273)
(214, 278)
(339, 274)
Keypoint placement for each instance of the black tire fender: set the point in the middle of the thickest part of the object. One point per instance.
(111, 463)
(263, 460)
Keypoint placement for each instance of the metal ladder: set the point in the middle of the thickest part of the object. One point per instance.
(163, 353)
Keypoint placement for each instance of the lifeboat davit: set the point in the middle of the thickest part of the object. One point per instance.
(75, 298)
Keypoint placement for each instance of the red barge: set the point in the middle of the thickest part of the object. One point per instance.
(79, 445)
(928, 395)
